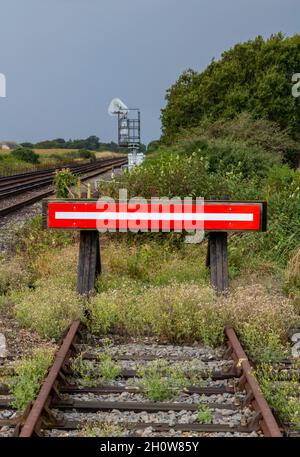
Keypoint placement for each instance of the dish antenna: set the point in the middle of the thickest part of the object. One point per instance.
(116, 107)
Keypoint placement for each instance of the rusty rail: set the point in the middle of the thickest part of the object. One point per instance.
(43, 400)
(266, 419)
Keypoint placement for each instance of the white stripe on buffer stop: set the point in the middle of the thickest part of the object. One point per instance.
(124, 216)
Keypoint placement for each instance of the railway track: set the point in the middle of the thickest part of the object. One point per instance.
(225, 387)
(19, 185)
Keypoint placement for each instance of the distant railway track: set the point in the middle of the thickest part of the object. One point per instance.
(34, 181)
(61, 395)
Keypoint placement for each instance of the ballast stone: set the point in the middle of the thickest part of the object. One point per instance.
(3, 348)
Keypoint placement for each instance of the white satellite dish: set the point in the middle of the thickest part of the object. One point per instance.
(117, 106)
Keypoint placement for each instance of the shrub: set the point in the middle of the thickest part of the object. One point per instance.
(261, 133)
(64, 179)
(188, 312)
(86, 154)
(172, 174)
(183, 314)
(30, 372)
(48, 309)
(229, 154)
(282, 192)
(25, 154)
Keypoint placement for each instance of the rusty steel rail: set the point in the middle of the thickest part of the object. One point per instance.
(265, 416)
(42, 403)
(39, 415)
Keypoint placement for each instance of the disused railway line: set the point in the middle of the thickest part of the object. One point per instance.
(56, 393)
(35, 181)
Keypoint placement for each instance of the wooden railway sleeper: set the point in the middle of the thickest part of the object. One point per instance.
(248, 399)
(254, 422)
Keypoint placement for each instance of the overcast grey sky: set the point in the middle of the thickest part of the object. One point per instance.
(64, 60)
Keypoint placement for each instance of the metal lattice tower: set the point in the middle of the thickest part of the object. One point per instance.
(129, 129)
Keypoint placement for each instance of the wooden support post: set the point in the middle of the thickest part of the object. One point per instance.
(217, 260)
(89, 266)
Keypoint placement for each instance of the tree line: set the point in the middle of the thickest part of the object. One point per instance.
(91, 143)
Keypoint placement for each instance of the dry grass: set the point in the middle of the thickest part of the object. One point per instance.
(56, 264)
(49, 308)
(293, 268)
(62, 151)
(13, 275)
(51, 151)
(185, 312)
(106, 154)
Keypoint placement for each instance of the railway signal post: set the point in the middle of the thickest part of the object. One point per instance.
(218, 217)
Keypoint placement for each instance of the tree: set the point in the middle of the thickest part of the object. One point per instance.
(255, 76)
(27, 145)
(152, 146)
(25, 154)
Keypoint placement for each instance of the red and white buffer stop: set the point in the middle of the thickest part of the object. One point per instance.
(134, 216)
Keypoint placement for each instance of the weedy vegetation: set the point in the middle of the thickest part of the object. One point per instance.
(30, 371)
(94, 430)
(161, 381)
(98, 372)
(63, 181)
(282, 391)
(205, 414)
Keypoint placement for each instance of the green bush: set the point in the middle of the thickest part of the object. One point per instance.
(262, 133)
(25, 154)
(172, 172)
(63, 181)
(228, 155)
(86, 154)
(30, 372)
